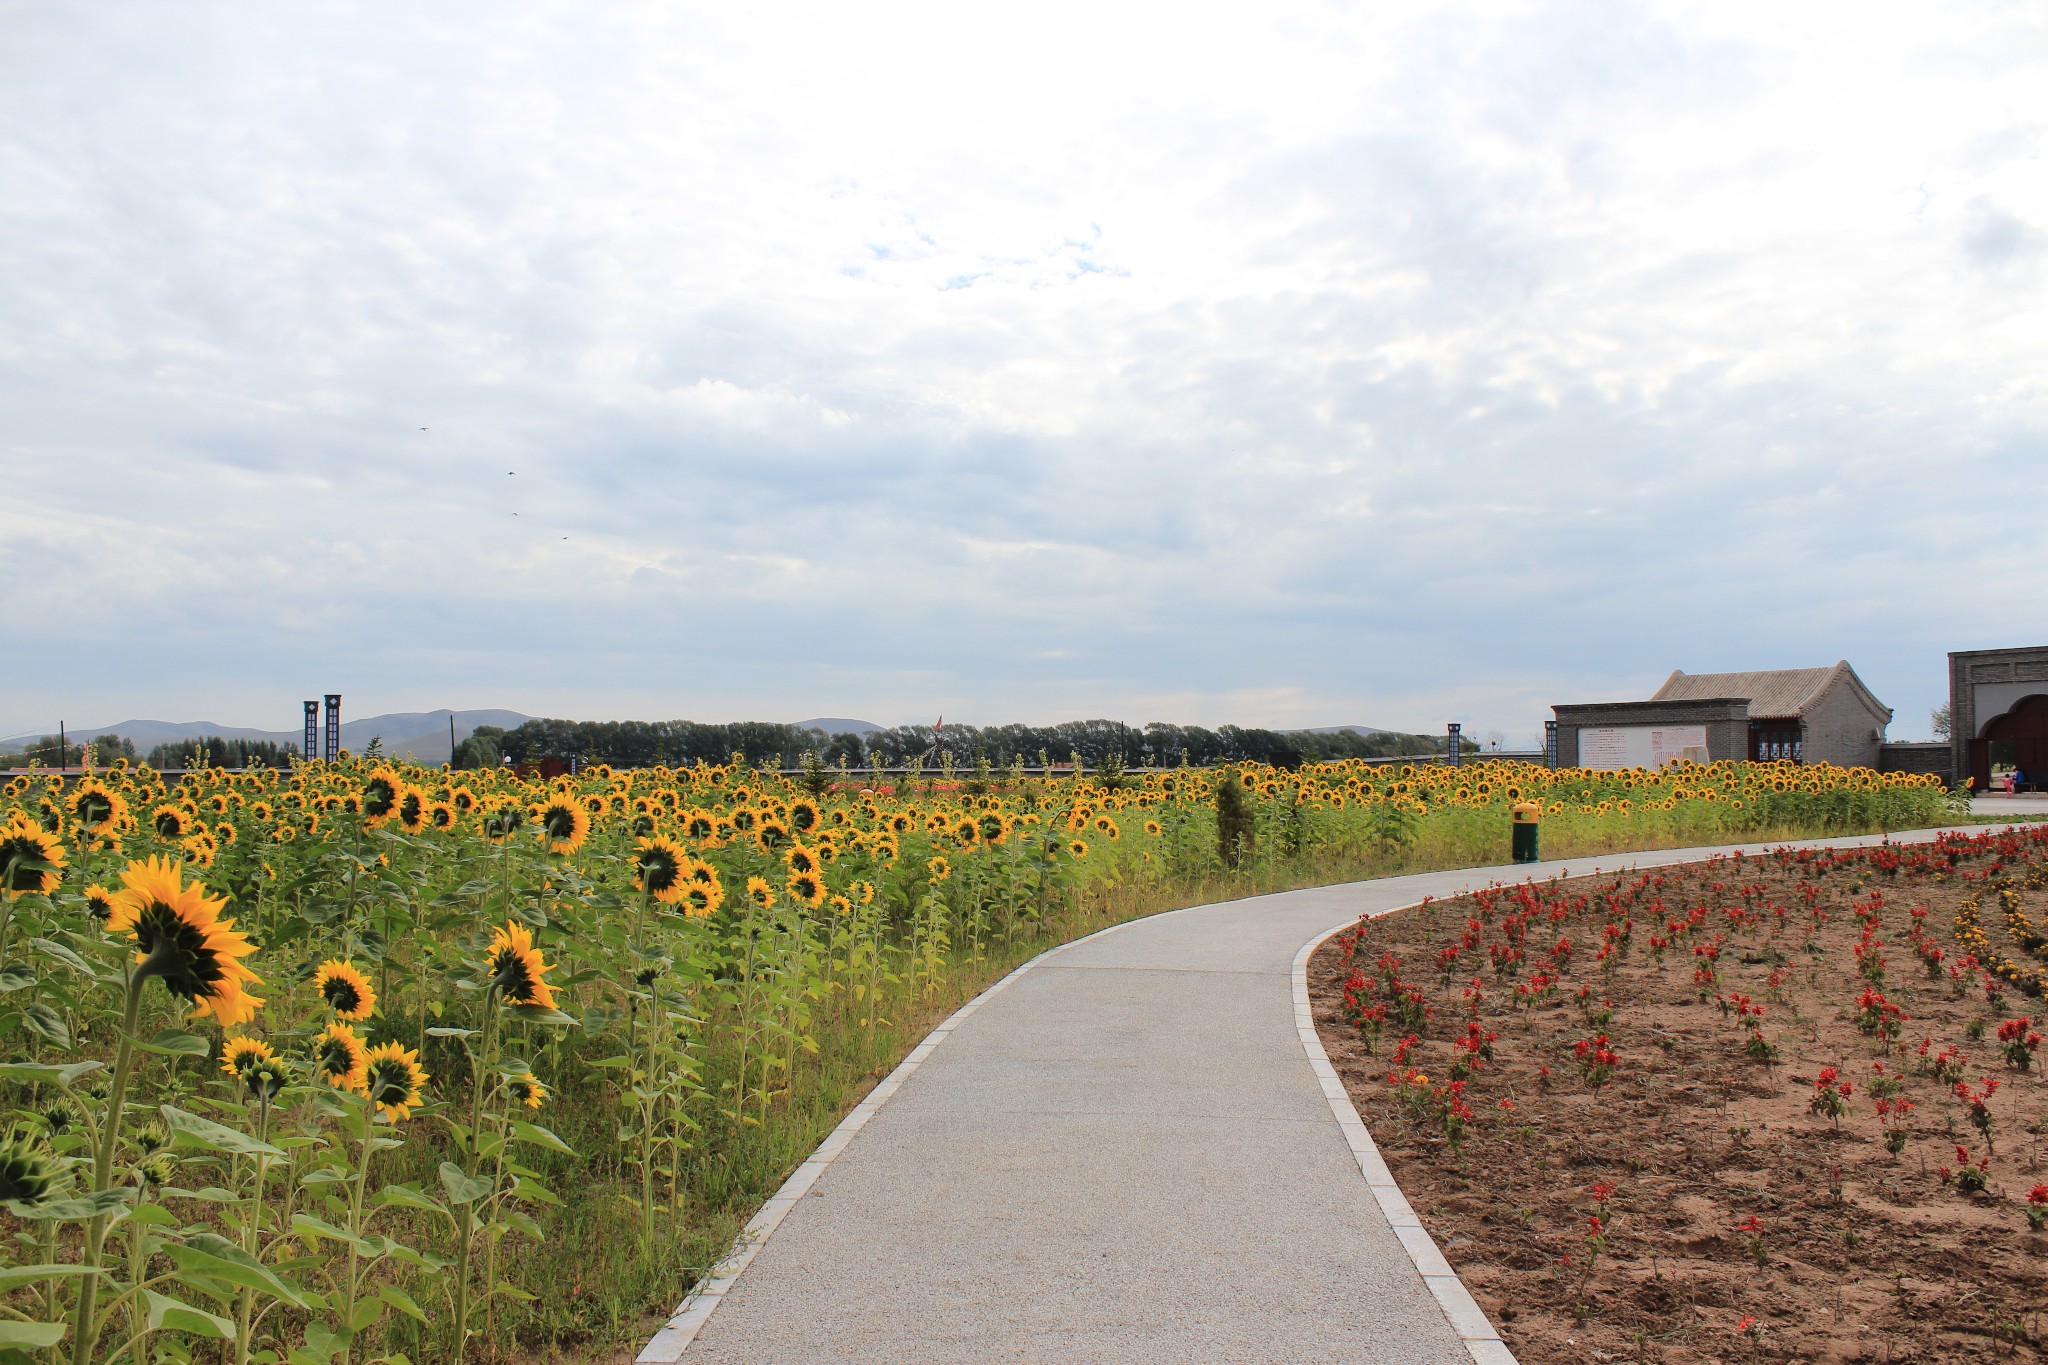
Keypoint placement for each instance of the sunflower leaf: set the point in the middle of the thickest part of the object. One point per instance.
(192, 1130)
(306, 1225)
(462, 1188)
(12, 1275)
(17, 977)
(45, 1022)
(167, 1314)
(402, 1301)
(31, 1335)
(540, 1137)
(39, 1073)
(216, 1258)
(407, 1197)
(52, 948)
(173, 1043)
(537, 1014)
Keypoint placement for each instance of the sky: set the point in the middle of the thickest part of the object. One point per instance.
(1277, 364)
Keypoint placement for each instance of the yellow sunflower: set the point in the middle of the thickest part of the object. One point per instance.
(379, 797)
(182, 939)
(939, 868)
(239, 1054)
(171, 821)
(564, 824)
(760, 893)
(339, 1057)
(347, 991)
(410, 809)
(95, 805)
(807, 887)
(31, 861)
(801, 859)
(660, 868)
(517, 968)
(527, 1091)
(392, 1078)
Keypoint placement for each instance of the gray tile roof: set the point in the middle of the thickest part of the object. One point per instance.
(1771, 692)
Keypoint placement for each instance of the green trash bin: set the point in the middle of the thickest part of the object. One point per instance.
(1528, 827)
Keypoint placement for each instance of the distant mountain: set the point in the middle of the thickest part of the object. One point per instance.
(423, 734)
(1341, 729)
(833, 725)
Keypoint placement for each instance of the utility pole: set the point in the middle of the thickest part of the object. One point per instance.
(451, 741)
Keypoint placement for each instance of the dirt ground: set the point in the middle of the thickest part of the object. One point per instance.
(1699, 1187)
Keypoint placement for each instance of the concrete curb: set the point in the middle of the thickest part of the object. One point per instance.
(696, 1309)
(1464, 1315)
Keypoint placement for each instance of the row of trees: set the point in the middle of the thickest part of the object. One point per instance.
(204, 752)
(680, 743)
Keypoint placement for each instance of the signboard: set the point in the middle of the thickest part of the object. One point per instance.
(1642, 746)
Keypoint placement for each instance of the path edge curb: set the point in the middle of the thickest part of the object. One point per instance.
(1460, 1310)
(668, 1344)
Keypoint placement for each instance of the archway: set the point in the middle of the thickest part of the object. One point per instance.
(2019, 736)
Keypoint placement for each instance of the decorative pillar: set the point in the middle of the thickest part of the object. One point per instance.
(1457, 745)
(1550, 745)
(310, 750)
(332, 750)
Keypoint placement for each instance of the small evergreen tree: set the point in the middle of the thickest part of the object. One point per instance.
(1235, 836)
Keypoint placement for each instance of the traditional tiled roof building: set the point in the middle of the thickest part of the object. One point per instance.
(1805, 715)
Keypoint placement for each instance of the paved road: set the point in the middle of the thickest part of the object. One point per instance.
(1122, 1156)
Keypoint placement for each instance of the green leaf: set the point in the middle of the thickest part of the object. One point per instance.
(451, 1033)
(167, 1314)
(521, 1222)
(77, 1210)
(526, 1187)
(12, 1275)
(215, 1257)
(18, 977)
(402, 1301)
(462, 1188)
(45, 1022)
(306, 1225)
(172, 1043)
(405, 1196)
(537, 1014)
(30, 1335)
(52, 948)
(38, 1073)
(540, 1137)
(193, 1131)
(322, 1342)
(365, 1315)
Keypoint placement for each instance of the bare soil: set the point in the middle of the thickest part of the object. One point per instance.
(1855, 1253)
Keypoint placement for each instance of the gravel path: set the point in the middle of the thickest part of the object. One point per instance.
(1121, 1154)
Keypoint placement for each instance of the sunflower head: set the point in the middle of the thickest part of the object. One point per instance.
(347, 991)
(939, 868)
(564, 824)
(29, 1175)
(392, 1079)
(517, 969)
(31, 860)
(183, 940)
(503, 822)
(379, 796)
(95, 805)
(760, 893)
(339, 1057)
(659, 868)
(239, 1054)
(527, 1091)
(410, 809)
(807, 887)
(801, 860)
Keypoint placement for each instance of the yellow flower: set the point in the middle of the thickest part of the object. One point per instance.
(339, 1057)
(31, 861)
(239, 1054)
(517, 968)
(392, 1079)
(939, 868)
(527, 1091)
(347, 991)
(183, 940)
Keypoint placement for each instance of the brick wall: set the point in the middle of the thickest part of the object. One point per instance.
(1841, 728)
(1898, 756)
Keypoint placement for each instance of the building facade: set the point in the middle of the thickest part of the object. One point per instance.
(1998, 713)
(1800, 715)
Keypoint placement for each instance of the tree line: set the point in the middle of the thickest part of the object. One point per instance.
(682, 743)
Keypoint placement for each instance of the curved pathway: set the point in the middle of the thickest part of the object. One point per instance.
(1122, 1152)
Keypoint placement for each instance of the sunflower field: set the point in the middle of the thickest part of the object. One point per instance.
(375, 1062)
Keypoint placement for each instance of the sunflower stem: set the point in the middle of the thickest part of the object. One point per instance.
(252, 1235)
(84, 1329)
(355, 1222)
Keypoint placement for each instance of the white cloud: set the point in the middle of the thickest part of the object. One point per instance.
(1320, 364)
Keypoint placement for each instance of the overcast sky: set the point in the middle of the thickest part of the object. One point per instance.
(1275, 364)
